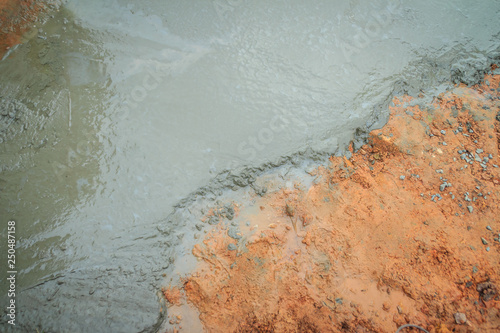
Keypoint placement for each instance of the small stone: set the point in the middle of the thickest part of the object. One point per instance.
(487, 290)
(439, 170)
(232, 247)
(470, 208)
(444, 143)
(489, 228)
(386, 306)
(443, 132)
(442, 187)
(402, 177)
(488, 249)
(460, 318)
(485, 242)
(234, 233)
(479, 151)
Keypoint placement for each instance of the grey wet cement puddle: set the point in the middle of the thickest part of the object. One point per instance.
(121, 122)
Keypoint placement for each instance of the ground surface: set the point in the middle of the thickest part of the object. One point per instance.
(405, 231)
(16, 18)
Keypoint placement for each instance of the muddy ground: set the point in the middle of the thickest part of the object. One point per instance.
(404, 231)
(17, 18)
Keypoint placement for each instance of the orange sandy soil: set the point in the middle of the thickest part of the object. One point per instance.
(16, 17)
(363, 250)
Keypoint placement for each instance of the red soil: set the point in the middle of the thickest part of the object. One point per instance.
(17, 17)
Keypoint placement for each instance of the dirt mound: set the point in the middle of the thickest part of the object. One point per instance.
(405, 231)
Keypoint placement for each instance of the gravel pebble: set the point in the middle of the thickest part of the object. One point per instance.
(234, 233)
(460, 318)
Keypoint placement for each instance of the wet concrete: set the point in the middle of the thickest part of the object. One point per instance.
(129, 115)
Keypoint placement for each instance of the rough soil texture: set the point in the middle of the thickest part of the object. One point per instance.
(405, 231)
(16, 18)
